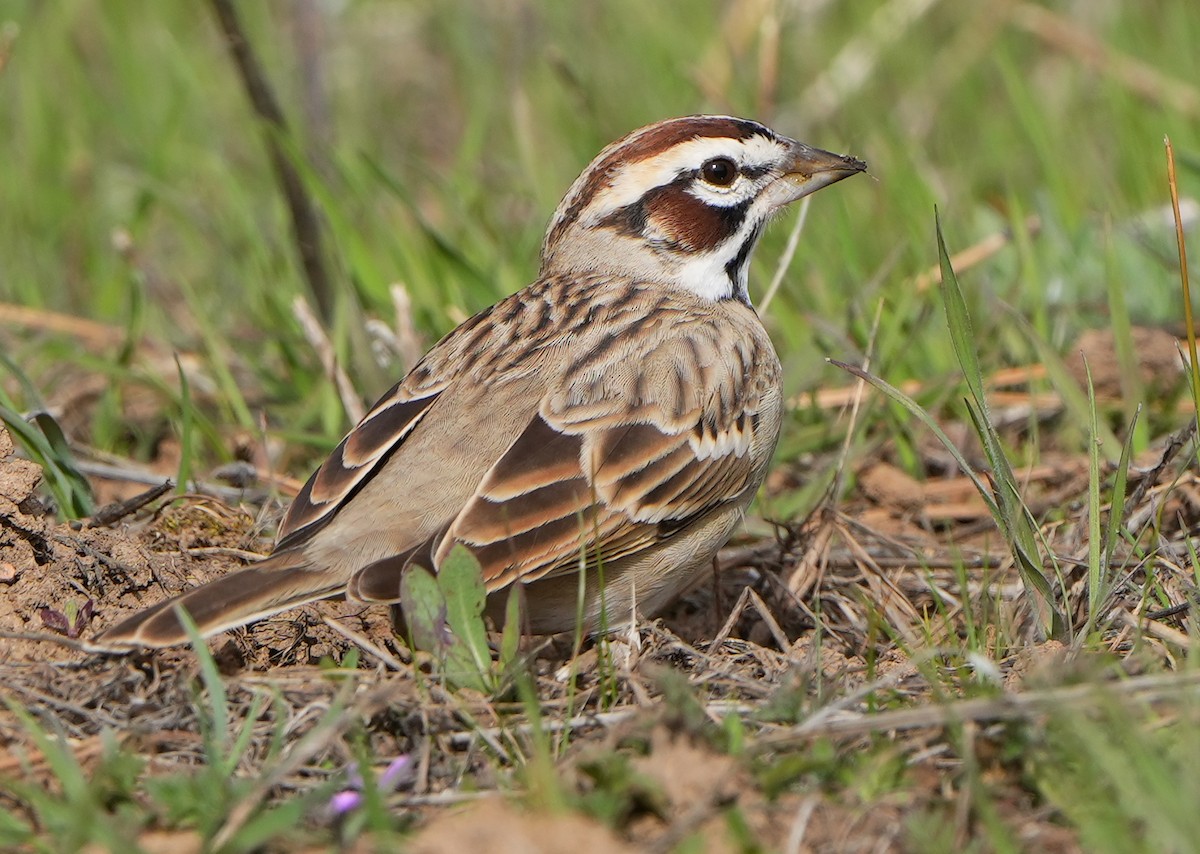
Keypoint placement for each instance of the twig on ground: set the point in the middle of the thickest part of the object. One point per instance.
(449, 797)
(750, 597)
(1148, 625)
(465, 738)
(1173, 611)
(223, 551)
(118, 510)
(46, 637)
(132, 473)
(1005, 708)
(389, 660)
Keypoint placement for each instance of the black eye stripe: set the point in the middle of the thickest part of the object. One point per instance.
(725, 220)
(751, 172)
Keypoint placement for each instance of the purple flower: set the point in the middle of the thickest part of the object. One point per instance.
(398, 773)
(345, 801)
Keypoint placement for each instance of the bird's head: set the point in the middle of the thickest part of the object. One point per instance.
(684, 201)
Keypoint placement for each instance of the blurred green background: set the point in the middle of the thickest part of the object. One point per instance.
(437, 136)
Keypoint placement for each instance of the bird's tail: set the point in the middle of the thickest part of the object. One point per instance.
(282, 581)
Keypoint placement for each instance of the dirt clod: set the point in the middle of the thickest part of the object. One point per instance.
(499, 826)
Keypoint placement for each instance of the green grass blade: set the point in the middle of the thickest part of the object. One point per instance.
(183, 477)
(216, 738)
(510, 637)
(56, 751)
(68, 486)
(49, 449)
(1095, 545)
(1116, 513)
(1013, 515)
(958, 319)
(64, 464)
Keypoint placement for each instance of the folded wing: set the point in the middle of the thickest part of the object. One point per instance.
(633, 447)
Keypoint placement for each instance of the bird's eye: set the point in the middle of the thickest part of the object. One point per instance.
(720, 171)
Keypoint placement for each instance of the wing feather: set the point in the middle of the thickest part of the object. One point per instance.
(615, 510)
(359, 455)
(629, 448)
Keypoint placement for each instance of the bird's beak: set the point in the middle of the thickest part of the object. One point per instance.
(810, 169)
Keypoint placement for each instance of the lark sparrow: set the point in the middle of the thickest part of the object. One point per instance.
(618, 414)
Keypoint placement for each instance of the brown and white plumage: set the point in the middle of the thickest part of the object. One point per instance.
(620, 411)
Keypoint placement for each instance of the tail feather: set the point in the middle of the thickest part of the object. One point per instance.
(282, 581)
